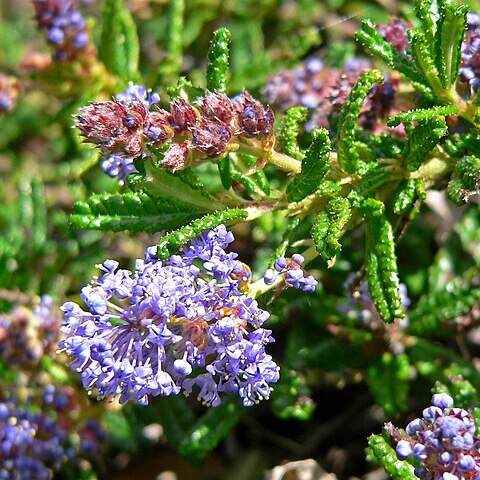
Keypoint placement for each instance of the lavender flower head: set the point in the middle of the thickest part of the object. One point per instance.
(172, 325)
(443, 441)
(32, 445)
(292, 273)
(470, 66)
(64, 26)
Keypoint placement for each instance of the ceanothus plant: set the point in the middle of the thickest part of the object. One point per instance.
(322, 178)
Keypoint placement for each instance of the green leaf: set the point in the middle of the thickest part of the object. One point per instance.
(135, 212)
(449, 36)
(315, 166)
(119, 47)
(286, 240)
(210, 429)
(384, 455)
(421, 114)
(371, 38)
(329, 225)
(408, 192)
(225, 170)
(348, 157)
(171, 66)
(173, 241)
(421, 140)
(381, 261)
(388, 380)
(465, 181)
(218, 58)
(287, 136)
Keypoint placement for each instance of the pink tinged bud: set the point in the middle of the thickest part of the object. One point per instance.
(217, 106)
(183, 116)
(158, 130)
(256, 120)
(176, 157)
(211, 138)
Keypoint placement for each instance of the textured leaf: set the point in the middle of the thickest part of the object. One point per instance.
(119, 47)
(218, 58)
(348, 157)
(286, 240)
(315, 166)
(371, 38)
(287, 137)
(329, 225)
(448, 41)
(210, 429)
(384, 455)
(421, 114)
(465, 180)
(173, 241)
(135, 212)
(408, 192)
(388, 380)
(421, 140)
(381, 262)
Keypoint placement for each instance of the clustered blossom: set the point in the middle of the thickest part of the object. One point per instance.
(64, 26)
(38, 437)
(443, 441)
(470, 66)
(26, 335)
(292, 274)
(33, 445)
(325, 89)
(9, 92)
(127, 127)
(172, 325)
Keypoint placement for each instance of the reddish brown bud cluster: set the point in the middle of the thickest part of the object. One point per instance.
(208, 128)
(395, 33)
(325, 90)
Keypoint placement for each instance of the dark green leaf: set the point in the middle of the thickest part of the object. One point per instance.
(218, 58)
(173, 241)
(348, 157)
(315, 166)
(135, 212)
(381, 261)
(329, 225)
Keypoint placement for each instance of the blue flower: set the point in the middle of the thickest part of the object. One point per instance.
(64, 26)
(443, 442)
(148, 332)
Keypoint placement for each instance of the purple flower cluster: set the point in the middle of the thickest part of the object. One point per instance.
(126, 128)
(26, 335)
(443, 442)
(9, 92)
(64, 26)
(172, 325)
(32, 445)
(325, 89)
(292, 272)
(470, 67)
